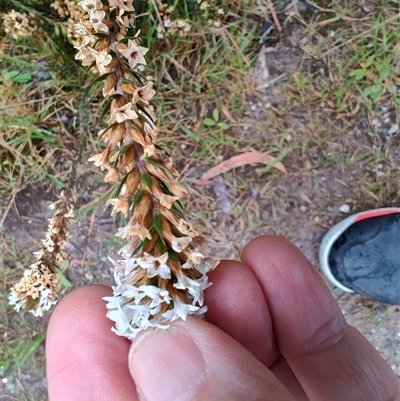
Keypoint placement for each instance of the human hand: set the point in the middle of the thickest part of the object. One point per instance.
(272, 332)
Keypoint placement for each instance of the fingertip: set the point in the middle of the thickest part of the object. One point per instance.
(236, 304)
(85, 359)
(208, 364)
(305, 315)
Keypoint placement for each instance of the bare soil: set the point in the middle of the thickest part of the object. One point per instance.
(324, 172)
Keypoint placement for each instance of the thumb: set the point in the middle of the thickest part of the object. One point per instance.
(195, 360)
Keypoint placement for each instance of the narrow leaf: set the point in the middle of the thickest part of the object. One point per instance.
(173, 255)
(238, 161)
(98, 79)
(138, 195)
(146, 180)
(63, 280)
(215, 114)
(157, 224)
(106, 108)
(157, 163)
(160, 246)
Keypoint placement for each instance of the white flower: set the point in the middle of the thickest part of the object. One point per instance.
(91, 5)
(96, 19)
(194, 287)
(144, 94)
(81, 30)
(167, 23)
(102, 60)
(181, 310)
(134, 309)
(134, 229)
(122, 113)
(179, 244)
(133, 53)
(86, 54)
(125, 5)
(194, 258)
(155, 266)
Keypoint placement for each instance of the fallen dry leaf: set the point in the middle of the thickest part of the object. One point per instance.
(238, 161)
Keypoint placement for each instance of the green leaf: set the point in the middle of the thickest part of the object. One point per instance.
(215, 114)
(98, 79)
(119, 187)
(177, 212)
(370, 60)
(209, 122)
(146, 180)
(106, 108)
(160, 246)
(358, 74)
(138, 195)
(124, 149)
(63, 280)
(179, 205)
(100, 34)
(165, 187)
(142, 243)
(384, 73)
(147, 118)
(108, 128)
(173, 255)
(157, 163)
(157, 224)
(223, 125)
(28, 352)
(374, 92)
(113, 13)
(18, 76)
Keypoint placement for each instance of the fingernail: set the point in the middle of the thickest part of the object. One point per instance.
(166, 365)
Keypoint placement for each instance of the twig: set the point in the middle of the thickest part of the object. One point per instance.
(278, 25)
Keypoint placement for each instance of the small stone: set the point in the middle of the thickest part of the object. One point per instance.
(89, 277)
(393, 129)
(345, 208)
(380, 166)
(303, 208)
(253, 107)
(386, 120)
(303, 41)
(267, 105)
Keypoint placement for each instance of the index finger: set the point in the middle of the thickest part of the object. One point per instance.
(331, 360)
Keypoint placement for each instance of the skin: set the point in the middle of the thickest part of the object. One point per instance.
(273, 332)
